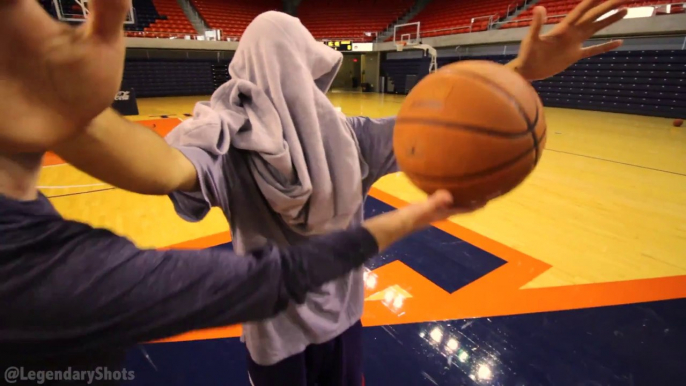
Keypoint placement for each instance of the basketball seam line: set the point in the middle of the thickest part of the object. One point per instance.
(491, 170)
(531, 126)
(471, 128)
(481, 173)
(502, 91)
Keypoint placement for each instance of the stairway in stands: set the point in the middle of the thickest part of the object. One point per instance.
(194, 16)
(414, 11)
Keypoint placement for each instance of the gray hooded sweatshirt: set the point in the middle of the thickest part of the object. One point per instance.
(274, 154)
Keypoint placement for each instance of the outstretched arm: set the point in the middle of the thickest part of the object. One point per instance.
(129, 156)
(544, 55)
(120, 295)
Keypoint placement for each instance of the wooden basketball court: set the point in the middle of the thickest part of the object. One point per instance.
(600, 223)
(607, 203)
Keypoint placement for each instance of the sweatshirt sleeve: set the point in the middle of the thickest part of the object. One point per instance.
(98, 290)
(375, 137)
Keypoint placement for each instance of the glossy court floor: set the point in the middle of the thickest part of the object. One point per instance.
(576, 278)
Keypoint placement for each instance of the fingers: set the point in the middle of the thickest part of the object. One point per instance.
(442, 199)
(107, 17)
(537, 23)
(599, 25)
(442, 206)
(580, 10)
(601, 48)
(593, 15)
(27, 12)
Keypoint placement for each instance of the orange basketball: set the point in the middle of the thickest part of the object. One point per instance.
(678, 122)
(475, 128)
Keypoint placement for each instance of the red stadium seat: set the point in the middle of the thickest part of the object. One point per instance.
(351, 19)
(447, 17)
(561, 8)
(232, 17)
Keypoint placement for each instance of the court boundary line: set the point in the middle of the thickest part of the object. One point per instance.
(617, 162)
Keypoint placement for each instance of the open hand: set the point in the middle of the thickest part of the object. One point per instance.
(437, 207)
(393, 226)
(54, 78)
(542, 56)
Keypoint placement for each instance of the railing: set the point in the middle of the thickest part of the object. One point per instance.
(159, 35)
(655, 6)
(184, 36)
(491, 22)
(501, 23)
(511, 6)
(170, 35)
(491, 19)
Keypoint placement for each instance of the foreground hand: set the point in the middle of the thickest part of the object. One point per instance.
(542, 56)
(439, 206)
(54, 78)
(390, 227)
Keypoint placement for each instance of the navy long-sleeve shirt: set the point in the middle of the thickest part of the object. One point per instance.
(68, 290)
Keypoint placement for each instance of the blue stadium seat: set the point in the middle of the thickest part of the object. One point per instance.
(637, 82)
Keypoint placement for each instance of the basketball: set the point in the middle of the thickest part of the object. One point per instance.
(475, 128)
(678, 122)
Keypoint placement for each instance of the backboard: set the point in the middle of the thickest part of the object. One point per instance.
(76, 11)
(409, 33)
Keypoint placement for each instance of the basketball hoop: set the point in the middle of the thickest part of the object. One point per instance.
(400, 45)
(76, 11)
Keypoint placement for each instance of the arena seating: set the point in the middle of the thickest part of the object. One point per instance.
(160, 18)
(156, 78)
(232, 17)
(638, 82)
(154, 18)
(49, 6)
(634, 82)
(557, 9)
(350, 19)
(448, 17)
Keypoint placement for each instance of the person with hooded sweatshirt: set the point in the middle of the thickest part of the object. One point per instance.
(273, 153)
(75, 298)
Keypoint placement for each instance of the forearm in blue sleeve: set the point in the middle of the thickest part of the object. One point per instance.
(100, 291)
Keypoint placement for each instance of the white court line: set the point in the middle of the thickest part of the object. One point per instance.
(71, 186)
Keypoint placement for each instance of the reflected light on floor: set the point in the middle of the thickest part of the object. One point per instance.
(452, 345)
(484, 373)
(370, 279)
(436, 334)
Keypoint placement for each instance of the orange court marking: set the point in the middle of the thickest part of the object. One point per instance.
(498, 293)
(204, 242)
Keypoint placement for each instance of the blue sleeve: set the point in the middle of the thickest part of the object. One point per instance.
(89, 289)
(375, 137)
(213, 185)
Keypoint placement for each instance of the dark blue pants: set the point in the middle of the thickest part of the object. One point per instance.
(337, 362)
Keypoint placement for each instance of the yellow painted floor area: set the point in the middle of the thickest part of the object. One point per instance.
(607, 203)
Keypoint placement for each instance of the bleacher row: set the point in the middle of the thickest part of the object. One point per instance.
(357, 20)
(643, 82)
(556, 9)
(157, 78)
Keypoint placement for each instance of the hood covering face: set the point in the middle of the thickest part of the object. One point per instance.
(303, 155)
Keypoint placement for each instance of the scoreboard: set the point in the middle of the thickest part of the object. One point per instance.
(342, 45)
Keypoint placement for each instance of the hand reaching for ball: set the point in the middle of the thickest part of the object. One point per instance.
(542, 56)
(392, 226)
